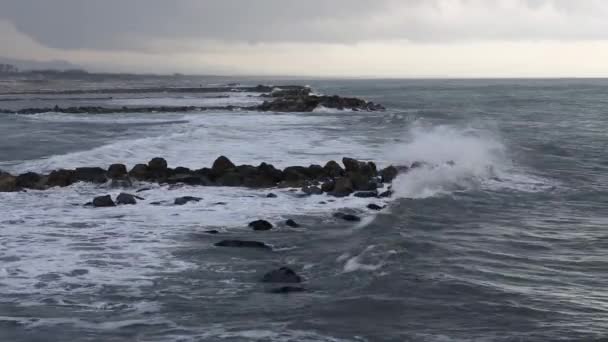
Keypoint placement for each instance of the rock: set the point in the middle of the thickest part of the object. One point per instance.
(387, 193)
(291, 223)
(157, 164)
(143, 189)
(347, 217)
(271, 195)
(295, 174)
(242, 244)
(189, 179)
(8, 183)
(140, 172)
(366, 194)
(315, 171)
(416, 165)
(282, 275)
(388, 174)
(30, 180)
(117, 171)
(270, 172)
(260, 225)
(231, 178)
(328, 186)
(213, 231)
(287, 289)
(124, 198)
(351, 165)
(103, 201)
(333, 169)
(124, 182)
(90, 174)
(60, 178)
(312, 190)
(373, 206)
(186, 199)
(343, 187)
(221, 165)
(362, 182)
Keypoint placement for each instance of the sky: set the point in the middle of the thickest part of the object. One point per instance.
(334, 38)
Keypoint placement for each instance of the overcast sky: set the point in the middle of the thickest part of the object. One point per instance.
(383, 38)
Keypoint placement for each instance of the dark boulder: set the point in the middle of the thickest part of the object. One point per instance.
(347, 217)
(242, 244)
(333, 169)
(260, 225)
(221, 165)
(230, 178)
(271, 195)
(189, 179)
(186, 199)
(312, 190)
(315, 172)
(124, 199)
(291, 223)
(351, 165)
(366, 194)
(90, 174)
(8, 183)
(269, 171)
(103, 201)
(362, 182)
(287, 289)
(385, 194)
(117, 171)
(295, 174)
(157, 164)
(389, 174)
(282, 275)
(373, 206)
(343, 187)
(140, 172)
(328, 186)
(30, 180)
(60, 178)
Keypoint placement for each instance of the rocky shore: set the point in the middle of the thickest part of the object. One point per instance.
(279, 99)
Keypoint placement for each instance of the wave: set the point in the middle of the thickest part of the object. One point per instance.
(457, 159)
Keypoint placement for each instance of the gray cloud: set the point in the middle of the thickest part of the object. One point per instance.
(140, 24)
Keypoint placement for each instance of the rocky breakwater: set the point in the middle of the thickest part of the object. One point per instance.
(291, 98)
(354, 177)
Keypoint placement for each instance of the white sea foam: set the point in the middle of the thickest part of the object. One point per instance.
(456, 159)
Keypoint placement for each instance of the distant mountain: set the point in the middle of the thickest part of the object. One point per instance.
(25, 65)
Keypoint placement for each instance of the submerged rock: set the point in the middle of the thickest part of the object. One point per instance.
(103, 201)
(186, 199)
(347, 217)
(312, 190)
(271, 195)
(291, 223)
(282, 275)
(124, 199)
(373, 206)
(366, 194)
(287, 289)
(242, 244)
(260, 225)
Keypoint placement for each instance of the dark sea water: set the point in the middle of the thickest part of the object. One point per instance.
(510, 243)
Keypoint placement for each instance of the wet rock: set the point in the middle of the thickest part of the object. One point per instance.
(213, 231)
(140, 172)
(282, 275)
(295, 173)
(30, 180)
(315, 172)
(103, 201)
(271, 195)
(90, 174)
(291, 223)
(373, 206)
(362, 182)
(61, 178)
(8, 183)
(287, 289)
(157, 164)
(270, 172)
(186, 199)
(366, 194)
(385, 194)
(343, 187)
(351, 165)
(123, 182)
(347, 217)
(125, 199)
(312, 190)
(328, 186)
(117, 171)
(388, 174)
(189, 179)
(230, 178)
(221, 165)
(333, 169)
(260, 225)
(242, 244)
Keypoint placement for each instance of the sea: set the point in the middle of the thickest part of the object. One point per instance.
(501, 235)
